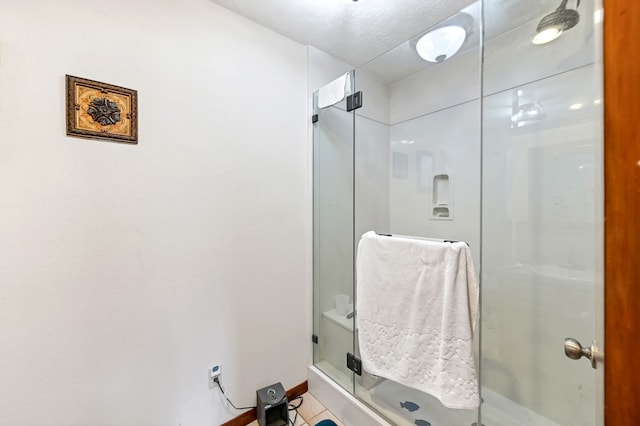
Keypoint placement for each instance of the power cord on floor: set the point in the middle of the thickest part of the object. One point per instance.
(217, 381)
(293, 407)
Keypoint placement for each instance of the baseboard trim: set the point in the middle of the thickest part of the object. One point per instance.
(248, 416)
(298, 390)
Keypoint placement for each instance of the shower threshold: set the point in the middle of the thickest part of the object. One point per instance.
(394, 401)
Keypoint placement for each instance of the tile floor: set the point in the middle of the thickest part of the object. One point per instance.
(309, 413)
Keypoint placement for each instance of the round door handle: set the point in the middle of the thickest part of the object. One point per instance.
(574, 350)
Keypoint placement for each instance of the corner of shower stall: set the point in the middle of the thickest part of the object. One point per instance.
(479, 147)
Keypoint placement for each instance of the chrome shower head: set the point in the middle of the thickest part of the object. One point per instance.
(555, 23)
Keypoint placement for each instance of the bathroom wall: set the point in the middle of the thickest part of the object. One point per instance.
(323, 69)
(125, 270)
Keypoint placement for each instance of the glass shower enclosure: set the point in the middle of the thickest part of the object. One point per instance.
(498, 144)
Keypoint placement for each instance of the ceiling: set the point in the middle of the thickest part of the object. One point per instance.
(359, 33)
(354, 32)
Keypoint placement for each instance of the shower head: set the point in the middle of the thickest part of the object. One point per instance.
(555, 23)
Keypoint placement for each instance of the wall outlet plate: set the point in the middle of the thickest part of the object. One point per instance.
(214, 371)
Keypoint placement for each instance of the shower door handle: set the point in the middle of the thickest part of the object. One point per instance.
(574, 350)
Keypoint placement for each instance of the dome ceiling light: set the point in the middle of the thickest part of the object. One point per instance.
(441, 43)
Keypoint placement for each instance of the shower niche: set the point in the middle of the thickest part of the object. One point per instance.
(434, 149)
(442, 188)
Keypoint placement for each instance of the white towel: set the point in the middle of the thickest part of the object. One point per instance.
(417, 302)
(334, 92)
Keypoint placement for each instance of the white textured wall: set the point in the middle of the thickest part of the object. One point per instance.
(126, 269)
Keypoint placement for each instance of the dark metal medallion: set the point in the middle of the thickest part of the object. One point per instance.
(104, 111)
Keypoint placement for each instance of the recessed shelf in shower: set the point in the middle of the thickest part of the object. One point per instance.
(442, 198)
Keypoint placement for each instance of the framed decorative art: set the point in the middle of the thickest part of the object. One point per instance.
(101, 111)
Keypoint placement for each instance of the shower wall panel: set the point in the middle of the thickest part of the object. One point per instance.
(372, 157)
(372, 175)
(439, 86)
(375, 105)
(445, 142)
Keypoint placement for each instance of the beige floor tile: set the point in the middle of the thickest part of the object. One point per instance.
(324, 416)
(300, 421)
(253, 423)
(310, 407)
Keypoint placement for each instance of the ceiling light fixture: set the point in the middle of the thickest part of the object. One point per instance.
(554, 24)
(441, 43)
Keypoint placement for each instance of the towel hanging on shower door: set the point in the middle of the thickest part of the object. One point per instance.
(417, 302)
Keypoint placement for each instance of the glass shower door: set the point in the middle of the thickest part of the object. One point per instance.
(542, 215)
(417, 174)
(333, 239)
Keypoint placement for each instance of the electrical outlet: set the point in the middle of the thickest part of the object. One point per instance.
(214, 371)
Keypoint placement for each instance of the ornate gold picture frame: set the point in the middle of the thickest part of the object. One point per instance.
(101, 111)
